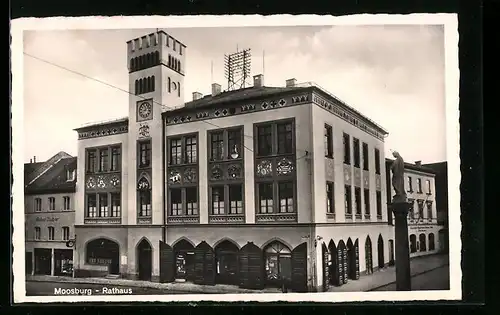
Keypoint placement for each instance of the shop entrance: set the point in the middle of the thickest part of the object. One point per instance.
(145, 260)
(63, 262)
(29, 262)
(105, 252)
(43, 261)
(226, 258)
(278, 264)
(184, 261)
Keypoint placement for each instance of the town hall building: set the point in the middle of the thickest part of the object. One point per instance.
(250, 187)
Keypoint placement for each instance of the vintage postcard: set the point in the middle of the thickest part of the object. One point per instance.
(236, 158)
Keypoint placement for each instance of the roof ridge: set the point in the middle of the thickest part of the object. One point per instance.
(49, 163)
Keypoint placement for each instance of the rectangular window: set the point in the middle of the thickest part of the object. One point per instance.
(377, 161)
(51, 233)
(285, 138)
(266, 197)
(347, 149)
(91, 161)
(379, 204)
(234, 143)
(367, 201)
(328, 141)
(65, 233)
(428, 184)
(419, 185)
(217, 146)
(330, 205)
(357, 156)
(91, 206)
(191, 201)
(420, 209)
(429, 210)
(145, 153)
(366, 158)
(70, 175)
(191, 152)
(236, 199)
(348, 199)
(217, 199)
(116, 205)
(103, 206)
(410, 184)
(357, 200)
(52, 203)
(264, 140)
(37, 233)
(145, 203)
(66, 201)
(38, 204)
(115, 159)
(285, 195)
(103, 160)
(175, 151)
(176, 201)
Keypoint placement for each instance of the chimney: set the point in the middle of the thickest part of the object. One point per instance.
(216, 89)
(31, 161)
(418, 163)
(258, 80)
(291, 82)
(197, 96)
(34, 159)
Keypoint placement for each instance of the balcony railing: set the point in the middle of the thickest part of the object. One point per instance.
(368, 216)
(144, 220)
(226, 218)
(330, 216)
(190, 219)
(348, 216)
(101, 220)
(276, 217)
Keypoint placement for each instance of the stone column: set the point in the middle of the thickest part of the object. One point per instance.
(403, 276)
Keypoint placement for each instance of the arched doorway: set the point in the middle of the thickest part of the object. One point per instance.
(278, 264)
(335, 271)
(184, 260)
(342, 261)
(413, 243)
(351, 260)
(432, 245)
(251, 267)
(226, 260)
(391, 252)
(326, 267)
(104, 252)
(380, 249)
(144, 260)
(422, 240)
(368, 256)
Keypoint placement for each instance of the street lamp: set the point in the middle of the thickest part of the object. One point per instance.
(234, 153)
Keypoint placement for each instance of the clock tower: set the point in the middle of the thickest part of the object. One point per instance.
(156, 64)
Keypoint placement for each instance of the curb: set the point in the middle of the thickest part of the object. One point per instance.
(413, 275)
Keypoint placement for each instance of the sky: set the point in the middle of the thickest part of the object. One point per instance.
(395, 75)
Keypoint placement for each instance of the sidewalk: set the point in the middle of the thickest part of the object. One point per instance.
(365, 283)
(387, 275)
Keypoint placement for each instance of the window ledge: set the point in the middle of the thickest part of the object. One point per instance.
(368, 216)
(330, 216)
(348, 216)
(276, 217)
(107, 220)
(379, 217)
(358, 216)
(183, 219)
(226, 218)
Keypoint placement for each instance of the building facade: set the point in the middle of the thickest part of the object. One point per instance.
(424, 227)
(49, 200)
(250, 187)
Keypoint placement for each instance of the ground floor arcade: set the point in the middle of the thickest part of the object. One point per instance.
(303, 257)
(426, 239)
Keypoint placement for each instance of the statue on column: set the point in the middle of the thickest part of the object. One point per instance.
(398, 180)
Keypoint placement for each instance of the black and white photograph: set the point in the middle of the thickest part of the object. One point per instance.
(236, 158)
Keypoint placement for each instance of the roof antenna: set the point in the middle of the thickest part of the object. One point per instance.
(212, 71)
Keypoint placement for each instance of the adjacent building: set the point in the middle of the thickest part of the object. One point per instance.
(423, 225)
(49, 201)
(249, 187)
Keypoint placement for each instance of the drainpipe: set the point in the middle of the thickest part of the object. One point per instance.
(163, 153)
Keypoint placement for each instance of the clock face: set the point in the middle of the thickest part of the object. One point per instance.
(145, 110)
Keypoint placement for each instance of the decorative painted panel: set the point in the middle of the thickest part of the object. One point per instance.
(103, 130)
(378, 182)
(357, 177)
(180, 176)
(226, 219)
(216, 172)
(276, 218)
(144, 220)
(265, 168)
(330, 169)
(285, 166)
(190, 175)
(366, 179)
(347, 116)
(266, 104)
(182, 220)
(347, 174)
(102, 221)
(224, 171)
(143, 131)
(234, 171)
(105, 181)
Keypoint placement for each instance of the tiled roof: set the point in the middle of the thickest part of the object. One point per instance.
(237, 95)
(29, 170)
(54, 179)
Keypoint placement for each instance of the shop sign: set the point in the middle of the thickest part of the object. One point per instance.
(46, 219)
(100, 261)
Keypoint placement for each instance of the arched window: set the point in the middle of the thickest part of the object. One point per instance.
(169, 61)
(37, 233)
(136, 63)
(143, 86)
(422, 240)
(148, 84)
(132, 64)
(179, 67)
(144, 197)
(277, 262)
(157, 58)
(148, 60)
(368, 255)
(413, 243)
(136, 87)
(432, 245)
